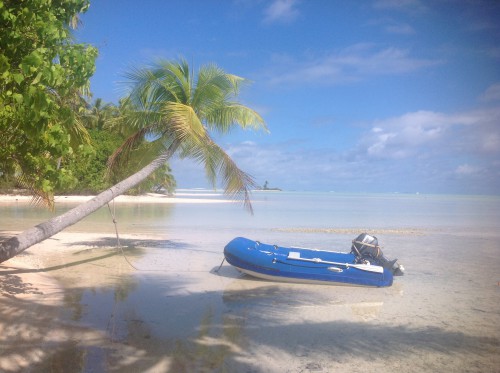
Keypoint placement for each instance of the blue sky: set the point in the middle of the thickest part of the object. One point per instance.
(359, 96)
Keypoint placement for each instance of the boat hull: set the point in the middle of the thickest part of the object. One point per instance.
(291, 264)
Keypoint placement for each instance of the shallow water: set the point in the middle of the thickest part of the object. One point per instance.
(176, 314)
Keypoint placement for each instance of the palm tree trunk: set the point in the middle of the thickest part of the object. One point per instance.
(17, 244)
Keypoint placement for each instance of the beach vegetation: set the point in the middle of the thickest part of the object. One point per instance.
(44, 77)
(177, 112)
(90, 165)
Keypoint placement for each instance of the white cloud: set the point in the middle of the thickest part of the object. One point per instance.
(347, 65)
(428, 134)
(392, 26)
(403, 5)
(491, 143)
(466, 169)
(281, 11)
(480, 134)
(403, 136)
(437, 146)
(400, 28)
(492, 93)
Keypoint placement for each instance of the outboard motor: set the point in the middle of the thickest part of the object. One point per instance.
(367, 250)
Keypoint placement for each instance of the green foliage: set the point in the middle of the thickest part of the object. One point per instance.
(89, 168)
(99, 114)
(160, 180)
(42, 77)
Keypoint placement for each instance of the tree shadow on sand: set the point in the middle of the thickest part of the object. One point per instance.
(129, 243)
(11, 284)
(106, 247)
(212, 331)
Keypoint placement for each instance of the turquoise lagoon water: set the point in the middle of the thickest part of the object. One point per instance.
(442, 315)
(282, 210)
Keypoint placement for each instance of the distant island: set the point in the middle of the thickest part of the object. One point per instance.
(266, 187)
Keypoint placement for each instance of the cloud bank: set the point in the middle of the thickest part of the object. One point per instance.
(423, 151)
(349, 64)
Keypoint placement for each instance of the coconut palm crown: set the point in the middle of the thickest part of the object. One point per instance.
(177, 112)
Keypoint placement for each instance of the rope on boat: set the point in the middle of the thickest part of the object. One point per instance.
(218, 269)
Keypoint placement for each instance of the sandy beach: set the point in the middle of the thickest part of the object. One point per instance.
(145, 198)
(197, 320)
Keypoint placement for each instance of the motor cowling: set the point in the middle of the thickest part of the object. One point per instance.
(367, 250)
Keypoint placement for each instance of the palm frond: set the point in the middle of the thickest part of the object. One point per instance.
(214, 87)
(78, 133)
(121, 154)
(38, 196)
(183, 121)
(223, 118)
(137, 120)
(144, 84)
(176, 75)
(137, 158)
(72, 119)
(219, 165)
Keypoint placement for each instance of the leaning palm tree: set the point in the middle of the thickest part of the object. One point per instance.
(176, 113)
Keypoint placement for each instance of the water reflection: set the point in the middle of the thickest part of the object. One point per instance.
(130, 217)
(273, 301)
(206, 341)
(212, 347)
(68, 357)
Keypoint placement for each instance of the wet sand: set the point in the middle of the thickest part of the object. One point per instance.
(75, 301)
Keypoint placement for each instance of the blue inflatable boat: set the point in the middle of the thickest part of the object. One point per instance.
(365, 265)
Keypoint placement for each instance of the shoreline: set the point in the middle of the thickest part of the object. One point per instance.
(143, 198)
